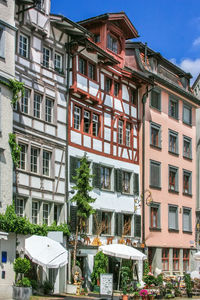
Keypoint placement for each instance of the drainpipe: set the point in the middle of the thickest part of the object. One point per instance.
(144, 98)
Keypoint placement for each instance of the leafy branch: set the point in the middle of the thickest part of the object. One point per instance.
(16, 87)
(15, 149)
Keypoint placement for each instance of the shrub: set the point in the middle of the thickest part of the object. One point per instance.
(47, 287)
(21, 265)
(25, 282)
(100, 266)
(34, 284)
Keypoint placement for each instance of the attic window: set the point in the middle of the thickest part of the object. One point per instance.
(112, 43)
(97, 38)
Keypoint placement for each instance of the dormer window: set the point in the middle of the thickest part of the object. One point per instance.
(112, 43)
(97, 38)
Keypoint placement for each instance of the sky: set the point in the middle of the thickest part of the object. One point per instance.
(171, 27)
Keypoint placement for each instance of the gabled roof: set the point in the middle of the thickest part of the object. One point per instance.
(196, 81)
(119, 18)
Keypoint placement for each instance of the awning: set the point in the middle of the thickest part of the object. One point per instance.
(46, 252)
(122, 251)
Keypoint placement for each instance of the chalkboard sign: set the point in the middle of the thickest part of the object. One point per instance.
(106, 284)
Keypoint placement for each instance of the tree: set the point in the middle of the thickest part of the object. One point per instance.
(82, 198)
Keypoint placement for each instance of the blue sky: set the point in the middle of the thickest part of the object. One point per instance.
(171, 27)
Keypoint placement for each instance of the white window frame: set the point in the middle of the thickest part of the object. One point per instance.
(37, 102)
(95, 125)
(77, 117)
(58, 62)
(23, 156)
(120, 132)
(46, 163)
(49, 110)
(25, 101)
(24, 45)
(44, 211)
(86, 121)
(106, 173)
(19, 207)
(46, 57)
(35, 216)
(128, 134)
(34, 161)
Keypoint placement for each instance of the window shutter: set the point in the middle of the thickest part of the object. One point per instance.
(73, 217)
(155, 174)
(96, 175)
(136, 184)
(158, 218)
(137, 226)
(118, 180)
(119, 224)
(73, 166)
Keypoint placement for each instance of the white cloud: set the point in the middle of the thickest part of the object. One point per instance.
(196, 42)
(191, 66)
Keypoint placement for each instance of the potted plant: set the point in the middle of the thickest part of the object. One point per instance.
(143, 293)
(124, 282)
(22, 288)
(136, 295)
(188, 285)
(100, 267)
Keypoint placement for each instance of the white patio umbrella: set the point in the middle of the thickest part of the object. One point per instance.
(197, 256)
(122, 251)
(46, 252)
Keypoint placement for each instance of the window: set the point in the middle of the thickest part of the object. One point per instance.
(127, 225)
(187, 147)
(34, 159)
(49, 110)
(116, 89)
(46, 163)
(74, 165)
(82, 66)
(86, 122)
(155, 174)
(24, 101)
(35, 210)
(187, 182)
(155, 135)
(126, 182)
(112, 43)
(22, 160)
(40, 4)
(173, 142)
(187, 114)
(156, 99)
(186, 259)
(24, 45)
(176, 253)
(2, 41)
(56, 213)
(37, 105)
(128, 134)
(46, 57)
(19, 207)
(105, 178)
(95, 125)
(91, 71)
(77, 117)
(173, 179)
(106, 222)
(187, 219)
(173, 108)
(108, 85)
(58, 62)
(165, 259)
(97, 38)
(134, 96)
(173, 217)
(155, 216)
(120, 131)
(46, 211)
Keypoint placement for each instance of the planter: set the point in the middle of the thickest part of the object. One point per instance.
(22, 293)
(151, 297)
(71, 288)
(124, 297)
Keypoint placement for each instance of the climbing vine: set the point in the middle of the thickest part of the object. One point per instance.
(10, 222)
(16, 87)
(15, 149)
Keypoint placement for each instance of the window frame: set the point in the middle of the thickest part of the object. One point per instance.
(109, 214)
(86, 70)
(189, 229)
(46, 62)
(25, 100)
(86, 121)
(156, 206)
(32, 164)
(126, 180)
(175, 170)
(48, 213)
(104, 177)
(49, 110)
(189, 175)
(46, 163)
(37, 106)
(187, 140)
(157, 127)
(190, 111)
(108, 90)
(19, 209)
(128, 134)
(129, 233)
(175, 115)
(173, 134)
(176, 259)
(58, 69)
(175, 210)
(155, 163)
(22, 145)
(157, 91)
(2, 41)
(120, 132)
(77, 117)
(165, 259)
(37, 213)
(186, 260)
(21, 49)
(110, 43)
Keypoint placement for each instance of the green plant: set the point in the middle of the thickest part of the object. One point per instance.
(159, 280)
(34, 284)
(100, 266)
(146, 268)
(16, 87)
(125, 279)
(188, 284)
(136, 293)
(25, 282)
(21, 265)
(15, 149)
(82, 198)
(47, 287)
(149, 279)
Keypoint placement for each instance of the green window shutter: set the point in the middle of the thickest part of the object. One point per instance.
(96, 175)
(73, 166)
(119, 224)
(136, 184)
(118, 180)
(137, 226)
(73, 217)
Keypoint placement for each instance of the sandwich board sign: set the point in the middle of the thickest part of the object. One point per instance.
(106, 284)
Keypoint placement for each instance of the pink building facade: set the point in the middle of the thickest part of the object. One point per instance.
(169, 183)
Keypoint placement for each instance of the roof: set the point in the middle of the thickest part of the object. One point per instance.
(120, 17)
(196, 81)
